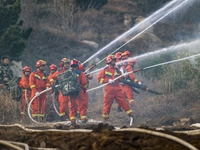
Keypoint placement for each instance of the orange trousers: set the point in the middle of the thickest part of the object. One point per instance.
(114, 93)
(82, 104)
(128, 92)
(72, 108)
(64, 102)
(39, 104)
(24, 101)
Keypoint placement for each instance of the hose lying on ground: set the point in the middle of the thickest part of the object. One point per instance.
(155, 133)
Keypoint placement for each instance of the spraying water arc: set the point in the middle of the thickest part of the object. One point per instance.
(156, 17)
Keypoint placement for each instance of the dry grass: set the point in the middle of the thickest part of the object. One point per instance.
(9, 109)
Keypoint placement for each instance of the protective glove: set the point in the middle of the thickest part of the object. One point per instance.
(37, 94)
(125, 74)
(140, 82)
(110, 81)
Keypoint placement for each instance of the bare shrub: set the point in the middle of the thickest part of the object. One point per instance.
(9, 109)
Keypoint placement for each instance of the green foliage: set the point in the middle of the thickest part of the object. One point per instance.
(173, 76)
(87, 4)
(11, 35)
(148, 6)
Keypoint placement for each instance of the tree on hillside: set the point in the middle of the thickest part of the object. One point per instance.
(11, 35)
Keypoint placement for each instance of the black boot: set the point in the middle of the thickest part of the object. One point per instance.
(119, 109)
(63, 118)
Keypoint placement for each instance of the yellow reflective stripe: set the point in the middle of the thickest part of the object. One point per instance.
(116, 74)
(129, 80)
(37, 76)
(41, 115)
(23, 90)
(83, 117)
(101, 81)
(22, 113)
(32, 86)
(34, 115)
(62, 114)
(47, 84)
(51, 80)
(108, 73)
(130, 100)
(135, 80)
(85, 86)
(129, 111)
(72, 118)
(44, 78)
(105, 115)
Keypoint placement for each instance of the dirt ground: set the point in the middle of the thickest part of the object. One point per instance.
(97, 136)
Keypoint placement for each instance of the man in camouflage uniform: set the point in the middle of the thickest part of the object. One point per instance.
(6, 74)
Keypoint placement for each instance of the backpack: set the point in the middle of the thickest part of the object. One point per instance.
(14, 88)
(68, 83)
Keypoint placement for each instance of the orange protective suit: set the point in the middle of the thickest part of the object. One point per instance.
(80, 99)
(63, 100)
(24, 85)
(38, 82)
(127, 89)
(112, 91)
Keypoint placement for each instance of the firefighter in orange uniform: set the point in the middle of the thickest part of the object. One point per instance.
(26, 91)
(82, 99)
(52, 70)
(72, 102)
(112, 90)
(39, 82)
(128, 67)
(63, 100)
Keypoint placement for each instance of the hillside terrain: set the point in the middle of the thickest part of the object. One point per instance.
(60, 30)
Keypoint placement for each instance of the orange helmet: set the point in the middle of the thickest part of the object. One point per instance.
(64, 60)
(40, 63)
(110, 58)
(118, 55)
(26, 69)
(127, 53)
(53, 67)
(81, 67)
(74, 62)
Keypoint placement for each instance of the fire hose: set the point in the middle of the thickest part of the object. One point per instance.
(139, 130)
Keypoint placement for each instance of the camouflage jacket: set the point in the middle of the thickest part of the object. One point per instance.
(6, 74)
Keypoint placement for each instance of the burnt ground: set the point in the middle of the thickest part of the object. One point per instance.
(151, 113)
(97, 136)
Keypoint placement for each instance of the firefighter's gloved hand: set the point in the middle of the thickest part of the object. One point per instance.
(125, 74)
(37, 94)
(140, 82)
(111, 81)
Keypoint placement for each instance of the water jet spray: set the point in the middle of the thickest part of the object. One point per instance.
(169, 5)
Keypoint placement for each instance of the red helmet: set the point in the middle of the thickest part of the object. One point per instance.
(74, 62)
(110, 58)
(81, 67)
(26, 69)
(53, 67)
(118, 55)
(40, 63)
